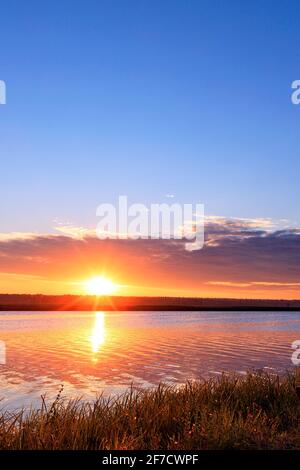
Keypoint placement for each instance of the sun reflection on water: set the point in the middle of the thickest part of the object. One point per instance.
(98, 333)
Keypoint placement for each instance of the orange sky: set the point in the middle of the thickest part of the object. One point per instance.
(238, 260)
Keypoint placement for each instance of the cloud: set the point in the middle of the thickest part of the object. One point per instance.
(253, 284)
(238, 254)
(74, 232)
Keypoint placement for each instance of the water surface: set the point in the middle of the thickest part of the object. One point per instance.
(94, 352)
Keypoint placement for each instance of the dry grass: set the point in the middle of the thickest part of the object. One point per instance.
(259, 411)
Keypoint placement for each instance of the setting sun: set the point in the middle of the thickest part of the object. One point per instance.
(100, 285)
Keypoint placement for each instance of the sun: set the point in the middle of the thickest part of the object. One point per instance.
(100, 285)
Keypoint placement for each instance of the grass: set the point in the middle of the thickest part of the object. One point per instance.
(259, 411)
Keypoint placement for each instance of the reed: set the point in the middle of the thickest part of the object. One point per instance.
(258, 411)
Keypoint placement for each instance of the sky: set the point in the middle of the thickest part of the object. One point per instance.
(147, 99)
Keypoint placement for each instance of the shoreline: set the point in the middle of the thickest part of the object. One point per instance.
(40, 302)
(141, 308)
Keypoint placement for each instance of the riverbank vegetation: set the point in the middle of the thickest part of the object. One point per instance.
(258, 411)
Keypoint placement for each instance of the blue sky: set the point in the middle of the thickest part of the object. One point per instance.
(147, 98)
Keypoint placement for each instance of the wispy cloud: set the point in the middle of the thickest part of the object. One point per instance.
(253, 284)
(74, 232)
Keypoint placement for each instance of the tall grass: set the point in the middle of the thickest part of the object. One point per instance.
(258, 411)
